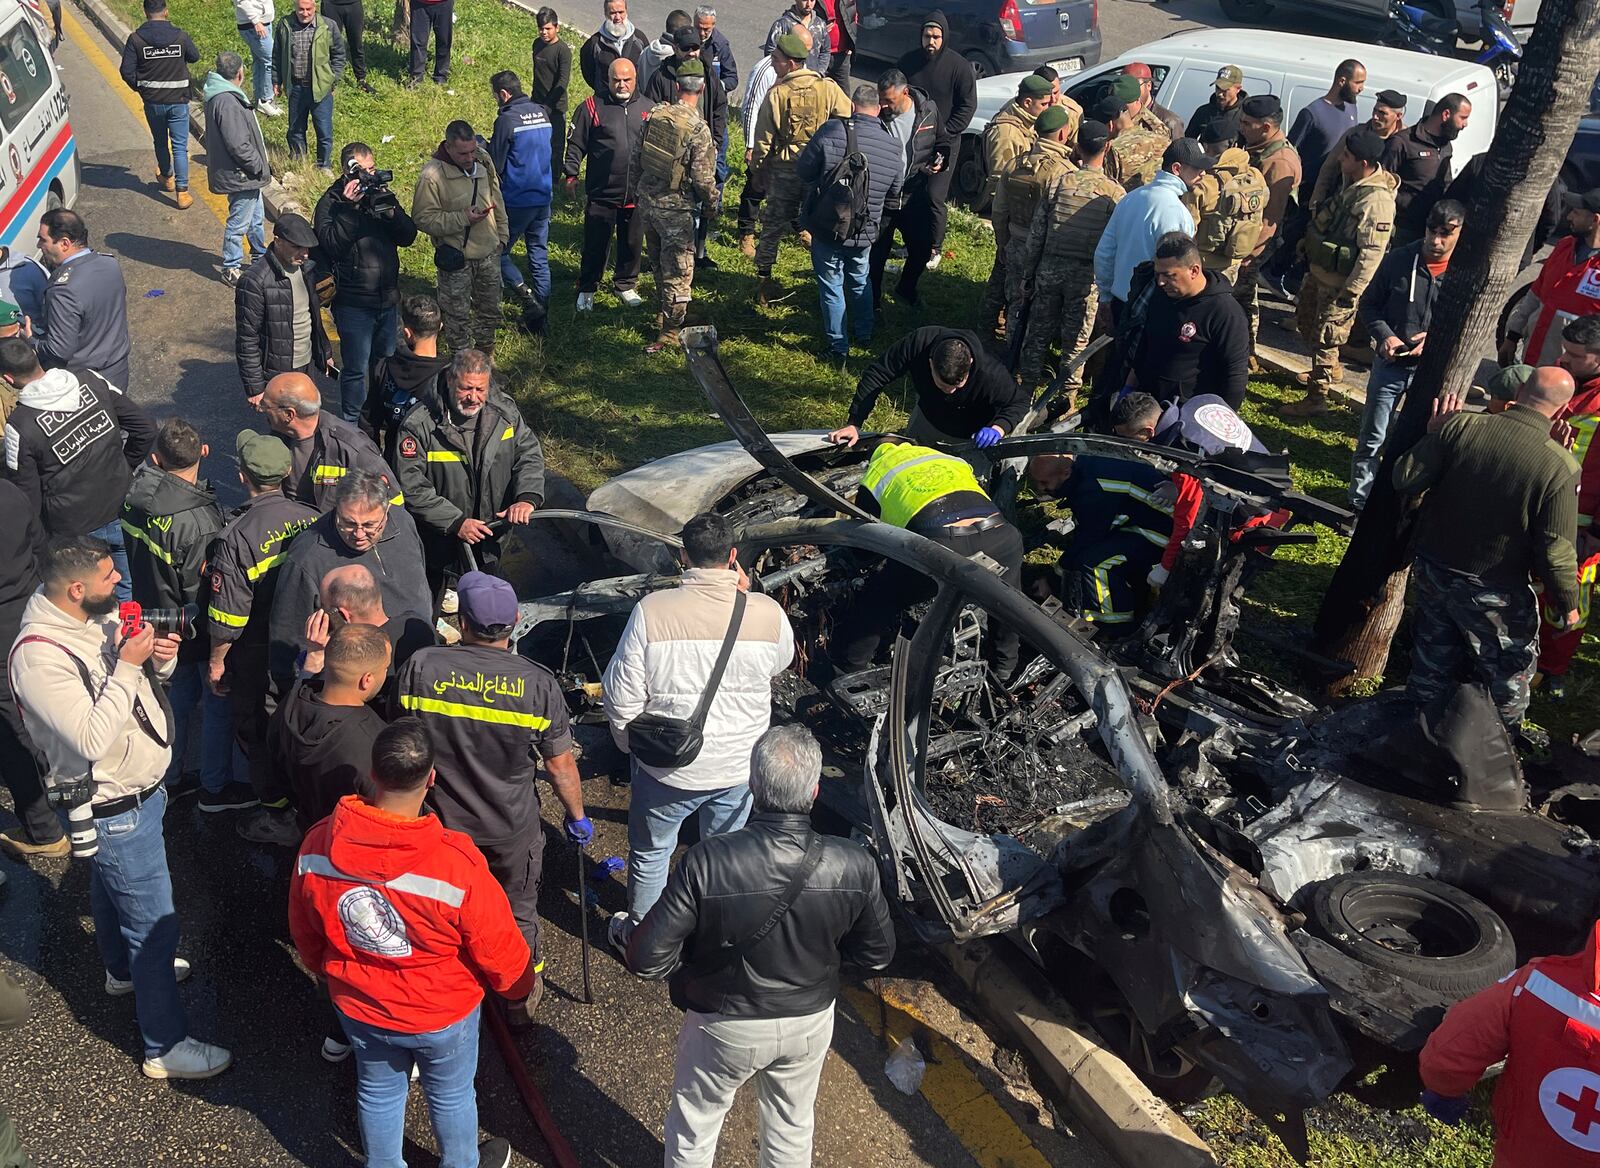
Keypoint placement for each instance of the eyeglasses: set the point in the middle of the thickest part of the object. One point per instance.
(371, 528)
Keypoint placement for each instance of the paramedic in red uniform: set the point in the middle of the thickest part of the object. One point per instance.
(1567, 286)
(1544, 1020)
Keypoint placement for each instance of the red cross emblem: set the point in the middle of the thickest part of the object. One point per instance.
(1570, 1100)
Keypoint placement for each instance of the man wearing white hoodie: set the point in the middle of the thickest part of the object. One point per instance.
(616, 38)
(254, 18)
(92, 701)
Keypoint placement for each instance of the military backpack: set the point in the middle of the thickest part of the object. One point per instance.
(1229, 229)
(664, 155)
(1025, 183)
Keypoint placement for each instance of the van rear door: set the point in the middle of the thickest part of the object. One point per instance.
(1478, 84)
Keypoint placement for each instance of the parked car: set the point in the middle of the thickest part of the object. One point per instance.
(1374, 13)
(1297, 68)
(997, 36)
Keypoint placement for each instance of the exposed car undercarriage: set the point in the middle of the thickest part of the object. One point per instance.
(1226, 879)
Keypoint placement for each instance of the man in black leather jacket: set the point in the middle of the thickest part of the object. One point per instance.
(757, 994)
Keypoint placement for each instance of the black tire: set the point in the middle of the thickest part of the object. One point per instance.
(1168, 1073)
(971, 177)
(1505, 314)
(1422, 930)
(1246, 11)
(982, 64)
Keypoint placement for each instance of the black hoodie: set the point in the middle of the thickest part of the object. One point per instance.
(946, 77)
(401, 380)
(168, 523)
(325, 750)
(1197, 345)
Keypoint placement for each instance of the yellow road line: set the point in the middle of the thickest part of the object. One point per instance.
(968, 1109)
(90, 47)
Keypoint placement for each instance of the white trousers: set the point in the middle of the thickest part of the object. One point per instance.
(717, 1055)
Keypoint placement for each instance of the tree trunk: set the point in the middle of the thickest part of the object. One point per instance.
(401, 32)
(1362, 606)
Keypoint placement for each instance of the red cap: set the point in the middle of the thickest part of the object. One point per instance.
(1137, 69)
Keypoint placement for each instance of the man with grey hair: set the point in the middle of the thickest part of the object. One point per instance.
(323, 448)
(236, 162)
(757, 974)
(465, 462)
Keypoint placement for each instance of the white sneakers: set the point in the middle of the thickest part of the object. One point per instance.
(630, 298)
(270, 108)
(117, 988)
(585, 301)
(618, 929)
(190, 1059)
(934, 260)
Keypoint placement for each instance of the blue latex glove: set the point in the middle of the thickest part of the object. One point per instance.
(987, 437)
(1445, 1110)
(580, 831)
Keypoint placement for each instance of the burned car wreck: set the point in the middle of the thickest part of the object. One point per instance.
(1229, 882)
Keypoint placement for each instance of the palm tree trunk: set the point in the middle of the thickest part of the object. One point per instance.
(401, 30)
(1363, 604)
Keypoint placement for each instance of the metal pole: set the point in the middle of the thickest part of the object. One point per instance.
(583, 926)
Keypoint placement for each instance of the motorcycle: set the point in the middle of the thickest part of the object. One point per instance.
(1422, 31)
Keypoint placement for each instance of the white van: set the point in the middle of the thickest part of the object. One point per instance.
(1299, 69)
(39, 164)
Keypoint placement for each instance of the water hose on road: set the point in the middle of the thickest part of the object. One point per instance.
(561, 1154)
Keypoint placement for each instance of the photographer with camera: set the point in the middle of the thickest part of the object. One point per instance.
(89, 689)
(361, 226)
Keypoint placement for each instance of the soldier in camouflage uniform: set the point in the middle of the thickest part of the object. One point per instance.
(676, 162)
(1059, 258)
(1135, 153)
(796, 105)
(1261, 128)
(1008, 136)
(1228, 204)
(1017, 196)
(1344, 244)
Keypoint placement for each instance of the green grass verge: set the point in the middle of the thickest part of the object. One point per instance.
(602, 406)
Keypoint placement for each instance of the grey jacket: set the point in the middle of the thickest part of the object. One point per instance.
(85, 319)
(236, 150)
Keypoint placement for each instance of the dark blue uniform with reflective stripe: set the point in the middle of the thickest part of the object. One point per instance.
(1122, 529)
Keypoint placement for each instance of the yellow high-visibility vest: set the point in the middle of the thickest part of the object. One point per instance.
(904, 479)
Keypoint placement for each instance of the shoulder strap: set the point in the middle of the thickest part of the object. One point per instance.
(850, 137)
(796, 886)
(139, 714)
(712, 682)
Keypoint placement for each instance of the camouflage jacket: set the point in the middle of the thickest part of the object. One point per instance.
(1134, 156)
(694, 179)
(1070, 220)
(1279, 163)
(1350, 232)
(1008, 135)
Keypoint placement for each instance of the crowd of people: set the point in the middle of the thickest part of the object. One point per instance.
(291, 649)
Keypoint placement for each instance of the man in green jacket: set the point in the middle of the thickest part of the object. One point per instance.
(308, 58)
(1501, 508)
(458, 205)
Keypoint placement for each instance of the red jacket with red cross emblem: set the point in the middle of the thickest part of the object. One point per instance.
(1544, 1020)
(403, 918)
(1565, 289)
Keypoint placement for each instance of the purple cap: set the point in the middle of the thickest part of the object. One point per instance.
(487, 602)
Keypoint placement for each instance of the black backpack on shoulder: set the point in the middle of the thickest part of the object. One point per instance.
(838, 209)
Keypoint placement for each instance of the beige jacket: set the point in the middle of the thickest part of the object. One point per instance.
(74, 730)
(439, 207)
(795, 109)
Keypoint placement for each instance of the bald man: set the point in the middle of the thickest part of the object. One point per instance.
(323, 448)
(606, 129)
(1501, 508)
(352, 595)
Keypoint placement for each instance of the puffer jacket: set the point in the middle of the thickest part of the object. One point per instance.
(826, 150)
(445, 485)
(445, 192)
(927, 140)
(168, 524)
(360, 242)
(726, 887)
(77, 732)
(665, 656)
(263, 321)
(236, 150)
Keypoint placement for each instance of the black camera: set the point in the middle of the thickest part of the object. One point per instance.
(368, 182)
(180, 620)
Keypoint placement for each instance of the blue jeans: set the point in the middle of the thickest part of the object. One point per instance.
(1385, 384)
(261, 56)
(135, 924)
(532, 226)
(843, 277)
(365, 334)
(655, 813)
(244, 219)
(169, 127)
(112, 534)
(447, 1061)
(220, 759)
(301, 107)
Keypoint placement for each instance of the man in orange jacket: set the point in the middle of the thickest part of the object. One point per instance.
(1544, 1020)
(402, 918)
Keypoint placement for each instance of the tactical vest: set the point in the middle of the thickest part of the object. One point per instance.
(1025, 184)
(664, 155)
(1230, 228)
(1331, 242)
(1079, 213)
(904, 479)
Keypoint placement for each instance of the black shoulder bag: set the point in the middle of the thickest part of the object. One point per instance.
(661, 741)
(728, 953)
(446, 256)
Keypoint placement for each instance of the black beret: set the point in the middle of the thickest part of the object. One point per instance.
(1265, 105)
(1365, 144)
(1108, 109)
(1392, 98)
(1092, 137)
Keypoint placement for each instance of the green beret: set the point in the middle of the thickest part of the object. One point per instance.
(1033, 86)
(691, 68)
(1126, 88)
(10, 314)
(1052, 119)
(1506, 384)
(793, 47)
(264, 457)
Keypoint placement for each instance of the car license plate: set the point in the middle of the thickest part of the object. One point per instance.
(1071, 64)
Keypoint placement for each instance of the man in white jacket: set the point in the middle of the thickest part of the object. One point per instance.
(661, 666)
(94, 709)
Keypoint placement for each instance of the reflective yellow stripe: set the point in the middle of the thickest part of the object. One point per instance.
(1154, 537)
(476, 713)
(325, 474)
(1583, 429)
(444, 456)
(139, 534)
(1133, 490)
(227, 618)
(1107, 615)
(510, 433)
(255, 571)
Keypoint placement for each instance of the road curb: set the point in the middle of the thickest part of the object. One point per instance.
(1113, 1105)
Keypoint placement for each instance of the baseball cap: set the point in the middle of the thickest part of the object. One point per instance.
(1392, 98)
(1052, 119)
(1137, 69)
(1588, 200)
(1217, 130)
(1364, 144)
(1187, 152)
(1092, 137)
(1229, 77)
(487, 602)
(1033, 86)
(687, 38)
(1263, 105)
(1508, 382)
(792, 47)
(10, 314)
(1126, 88)
(293, 229)
(264, 457)
(1108, 109)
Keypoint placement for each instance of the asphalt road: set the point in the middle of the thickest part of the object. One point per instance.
(71, 1076)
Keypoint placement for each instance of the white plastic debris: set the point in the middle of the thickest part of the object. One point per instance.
(905, 1067)
(387, 138)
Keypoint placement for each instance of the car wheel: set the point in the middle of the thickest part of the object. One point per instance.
(1422, 930)
(1166, 1071)
(1505, 314)
(1246, 11)
(982, 64)
(53, 200)
(971, 177)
